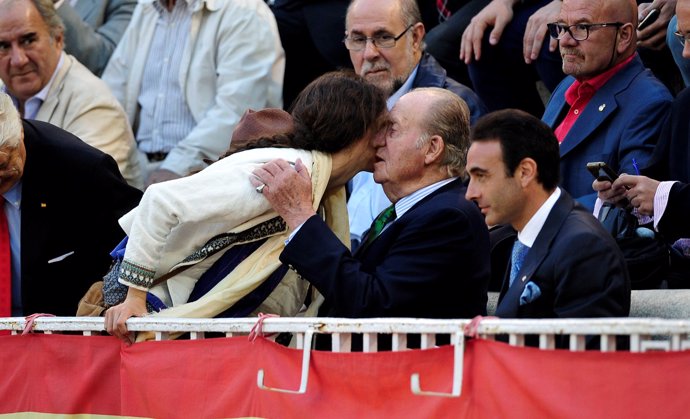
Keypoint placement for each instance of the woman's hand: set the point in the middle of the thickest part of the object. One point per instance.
(116, 316)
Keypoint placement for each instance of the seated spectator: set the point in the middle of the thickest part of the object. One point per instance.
(386, 43)
(665, 201)
(188, 220)
(185, 72)
(563, 263)
(609, 108)
(504, 48)
(48, 85)
(425, 256)
(62, 199)
(93, 29)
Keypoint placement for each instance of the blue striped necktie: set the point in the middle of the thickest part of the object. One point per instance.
(518, 256)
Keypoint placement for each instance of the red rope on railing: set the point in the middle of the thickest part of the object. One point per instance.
(28, 327)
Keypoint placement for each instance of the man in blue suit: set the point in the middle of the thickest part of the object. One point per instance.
(610, 108)
(432, 258)
(563, 263)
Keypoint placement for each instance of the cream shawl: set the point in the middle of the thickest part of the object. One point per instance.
(176, 219)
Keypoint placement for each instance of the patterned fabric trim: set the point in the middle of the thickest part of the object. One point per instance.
(136, 275)
(266, 229)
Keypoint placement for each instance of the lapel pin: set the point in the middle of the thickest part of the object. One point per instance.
(524, 278)
(43, 205)
(602, 107)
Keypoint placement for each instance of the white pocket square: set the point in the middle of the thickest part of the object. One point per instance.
(530, 293)
(61, 258)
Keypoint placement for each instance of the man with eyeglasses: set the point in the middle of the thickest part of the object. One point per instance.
(610, 108)
(385, 40)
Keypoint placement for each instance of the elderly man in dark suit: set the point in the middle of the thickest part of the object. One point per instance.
(425, 256)
(62, 200)
(563, 263)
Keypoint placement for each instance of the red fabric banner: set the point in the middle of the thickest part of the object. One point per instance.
(69, 375)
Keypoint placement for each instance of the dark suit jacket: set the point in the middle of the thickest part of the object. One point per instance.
(72, 197)
(431, 74)
(576, 264)
(675, 222)
(432, 262)
(622, 121)
(671, 162)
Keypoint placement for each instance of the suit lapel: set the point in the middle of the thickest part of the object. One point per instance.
(602, 105)
(48, 107)
(362, 250)
(510, 302)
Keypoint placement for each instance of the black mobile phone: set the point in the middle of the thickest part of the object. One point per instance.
(649, 19)
(601, 171)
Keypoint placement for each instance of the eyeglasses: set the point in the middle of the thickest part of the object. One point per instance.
(359, 42)
(682, 37)
(579, 31)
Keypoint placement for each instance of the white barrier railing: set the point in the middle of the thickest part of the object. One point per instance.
(644, 333)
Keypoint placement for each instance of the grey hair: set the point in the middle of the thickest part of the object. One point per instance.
(49, 15)
(449, 118)
(409, 11)
(10, 123)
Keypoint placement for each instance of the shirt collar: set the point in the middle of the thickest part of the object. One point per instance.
(14, 195)
(406, 87)
(531, 230)
(39, 97)
(591, 85)
(405, 203)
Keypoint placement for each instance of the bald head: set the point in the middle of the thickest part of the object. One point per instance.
(611, 35)
(405, 10)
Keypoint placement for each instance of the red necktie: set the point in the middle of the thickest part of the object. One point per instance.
(5, 265)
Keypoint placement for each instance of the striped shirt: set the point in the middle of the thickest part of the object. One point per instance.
(165, 118)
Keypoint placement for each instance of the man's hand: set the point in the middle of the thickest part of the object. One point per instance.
(161, 175)
(288, 189)
(607, 192)
(498, 14)
(640, 191)
(116, 316)
(536, 30)
(654, 36)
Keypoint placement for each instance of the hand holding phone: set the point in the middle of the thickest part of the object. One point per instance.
(603, 172)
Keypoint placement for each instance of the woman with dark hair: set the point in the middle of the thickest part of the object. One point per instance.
(214, 239)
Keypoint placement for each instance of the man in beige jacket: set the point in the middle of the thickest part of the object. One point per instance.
(48, 85)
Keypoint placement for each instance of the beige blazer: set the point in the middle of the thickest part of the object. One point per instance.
(82, 104)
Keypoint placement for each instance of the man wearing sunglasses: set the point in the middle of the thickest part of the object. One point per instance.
(610, 108)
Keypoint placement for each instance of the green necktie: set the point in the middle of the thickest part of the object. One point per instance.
(380, 222)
